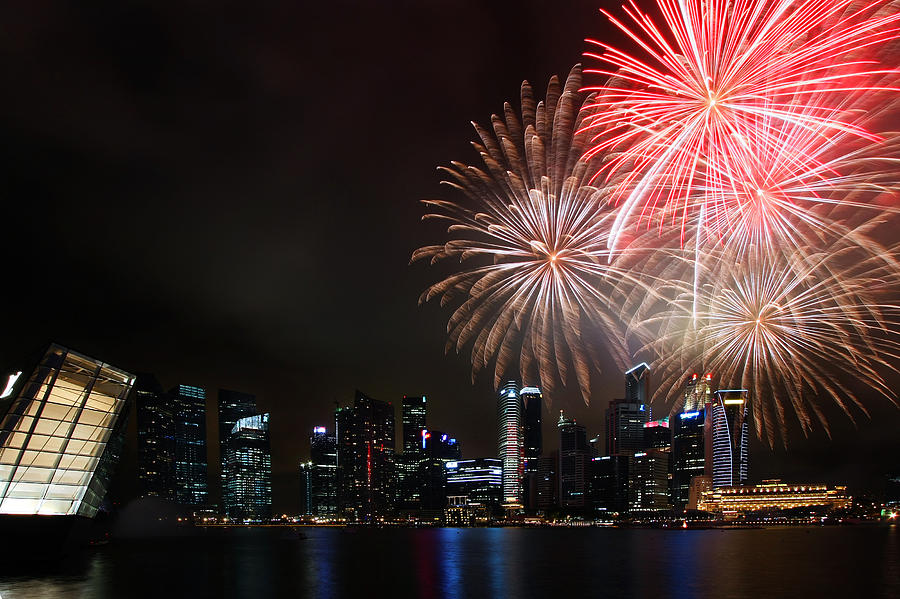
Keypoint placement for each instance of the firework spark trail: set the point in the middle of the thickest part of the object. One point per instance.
(788, 334)
(538, 270)
(717, 74)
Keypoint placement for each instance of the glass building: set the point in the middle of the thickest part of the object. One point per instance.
(609, 484)
(365, 455)
(648, 481)
(479, 480)
(573, 463)
(190, 445)
(248, 454)
(636, 379)
(232, 405)
(319, 475)
(625, 426)
(730, 437)
(409, 484)
(58, 435)
(532, 408)
(155, 439)
(511, 443)
(691, 438)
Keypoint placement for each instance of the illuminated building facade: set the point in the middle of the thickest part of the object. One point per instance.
(438, 449)
(511, 443)
(548, 481)
(573, 463)
(155, 439)
(59, 435)
(636, 384)
(657, 434)
(479, 480)
(625, 426)
(699, 486)
(248, 456)
(532, 414)
(609, 484)
(190, 445)
(691, 438)
(414, 419)
(232, 405)
(774, 496)
(365, 457)
(648, 481)
(730, 437)
(318, 482)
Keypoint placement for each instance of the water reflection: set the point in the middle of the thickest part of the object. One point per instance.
(458, 563)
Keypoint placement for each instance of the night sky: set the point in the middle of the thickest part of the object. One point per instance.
(226, 195)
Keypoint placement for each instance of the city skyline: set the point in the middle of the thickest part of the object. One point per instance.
(240, 266)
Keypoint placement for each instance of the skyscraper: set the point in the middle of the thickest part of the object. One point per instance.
(609, 484)
(233, 405)
(548, 481)
(439, 449)
(648, 481)
(625, 426)
(408, 481)
(190, 445)
(636, 379)
(730, 437)
(59, 435)
(319, 475)
(248, 455)
(532, 408)
(691, 438)
(155, 439)
(365, 452)
(511, 443)
(573, 463)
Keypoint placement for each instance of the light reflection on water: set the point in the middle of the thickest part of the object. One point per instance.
(460, 563)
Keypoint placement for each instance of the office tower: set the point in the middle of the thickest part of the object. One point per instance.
(697, 392)
(322, 469)
(190, 445)
(60, 434)
(657, 434)
(438, 449)
(573, 462)
(636, 379)
(511, 443)
(155, 439)
(730, 437)
(306, 496)
(699, 486)
(609, 485)
(625, 426)
(233, 405)
(365, 452)
(479, 480)
(532, 408)
(691, 439)
(248, 455)
(648, 481)
(548, 481)
(414, 422)
(594, 446)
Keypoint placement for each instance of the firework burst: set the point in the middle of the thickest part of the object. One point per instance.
(720, 83)
(537, 274)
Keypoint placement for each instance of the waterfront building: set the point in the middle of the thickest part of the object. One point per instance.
(609, 484)
(439, 449)
(365, 457)
(155, 439)
(774, 496)
(533, 439)
(699, 486)
(573, 463)
(232, 405)
(730, 437)
(648, 482)
(892, 491)
(248, 456)
(189, 403)
(479, 481)
(61, 434)
(691, 438)
(548, 481)
(409, 485)
(318, 476)
(511, 443)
